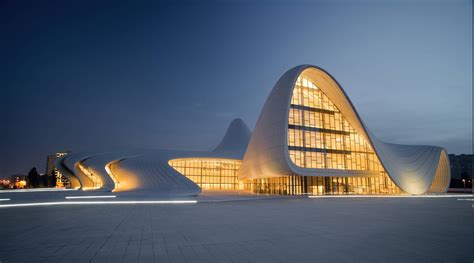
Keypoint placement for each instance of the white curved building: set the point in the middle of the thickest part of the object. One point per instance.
(309, 139)
(161, 172)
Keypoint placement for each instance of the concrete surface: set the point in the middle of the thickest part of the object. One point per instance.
(251, 230)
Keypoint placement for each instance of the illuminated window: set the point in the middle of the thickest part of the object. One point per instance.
(319, 136)
(209, 174)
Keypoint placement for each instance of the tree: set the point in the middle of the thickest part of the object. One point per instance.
(44, 180)
(33, 178)
(52, 178)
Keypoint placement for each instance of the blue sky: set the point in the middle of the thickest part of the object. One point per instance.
(87, 76)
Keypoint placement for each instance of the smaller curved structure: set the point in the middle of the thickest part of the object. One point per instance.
(66, 172)
(161, 172)
(98, 164)
(72, 163)
(235, 139)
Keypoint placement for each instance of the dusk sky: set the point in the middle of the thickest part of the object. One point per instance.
(93, 76)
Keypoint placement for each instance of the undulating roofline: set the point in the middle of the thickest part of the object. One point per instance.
(413, 168)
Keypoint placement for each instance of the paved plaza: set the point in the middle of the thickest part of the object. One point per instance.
(242, 229)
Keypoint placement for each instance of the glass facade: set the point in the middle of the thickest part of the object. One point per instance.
(322, 185)
(319, 136)
(209, 174)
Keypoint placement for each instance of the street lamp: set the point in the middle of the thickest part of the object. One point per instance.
(464, 183)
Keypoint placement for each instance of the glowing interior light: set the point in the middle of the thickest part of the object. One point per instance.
(5, 199)
(90, 197)
(209, 173)
(112, 176)
(96, 180)
(100, 203)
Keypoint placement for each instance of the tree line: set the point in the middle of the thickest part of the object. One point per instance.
(35, 180)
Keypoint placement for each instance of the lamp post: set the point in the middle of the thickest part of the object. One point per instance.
(464, 183)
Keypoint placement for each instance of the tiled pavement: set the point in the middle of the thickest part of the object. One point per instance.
(278, 230)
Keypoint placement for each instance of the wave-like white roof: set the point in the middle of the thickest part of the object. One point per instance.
(147, 171)
(416, 169)
(236, 138)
